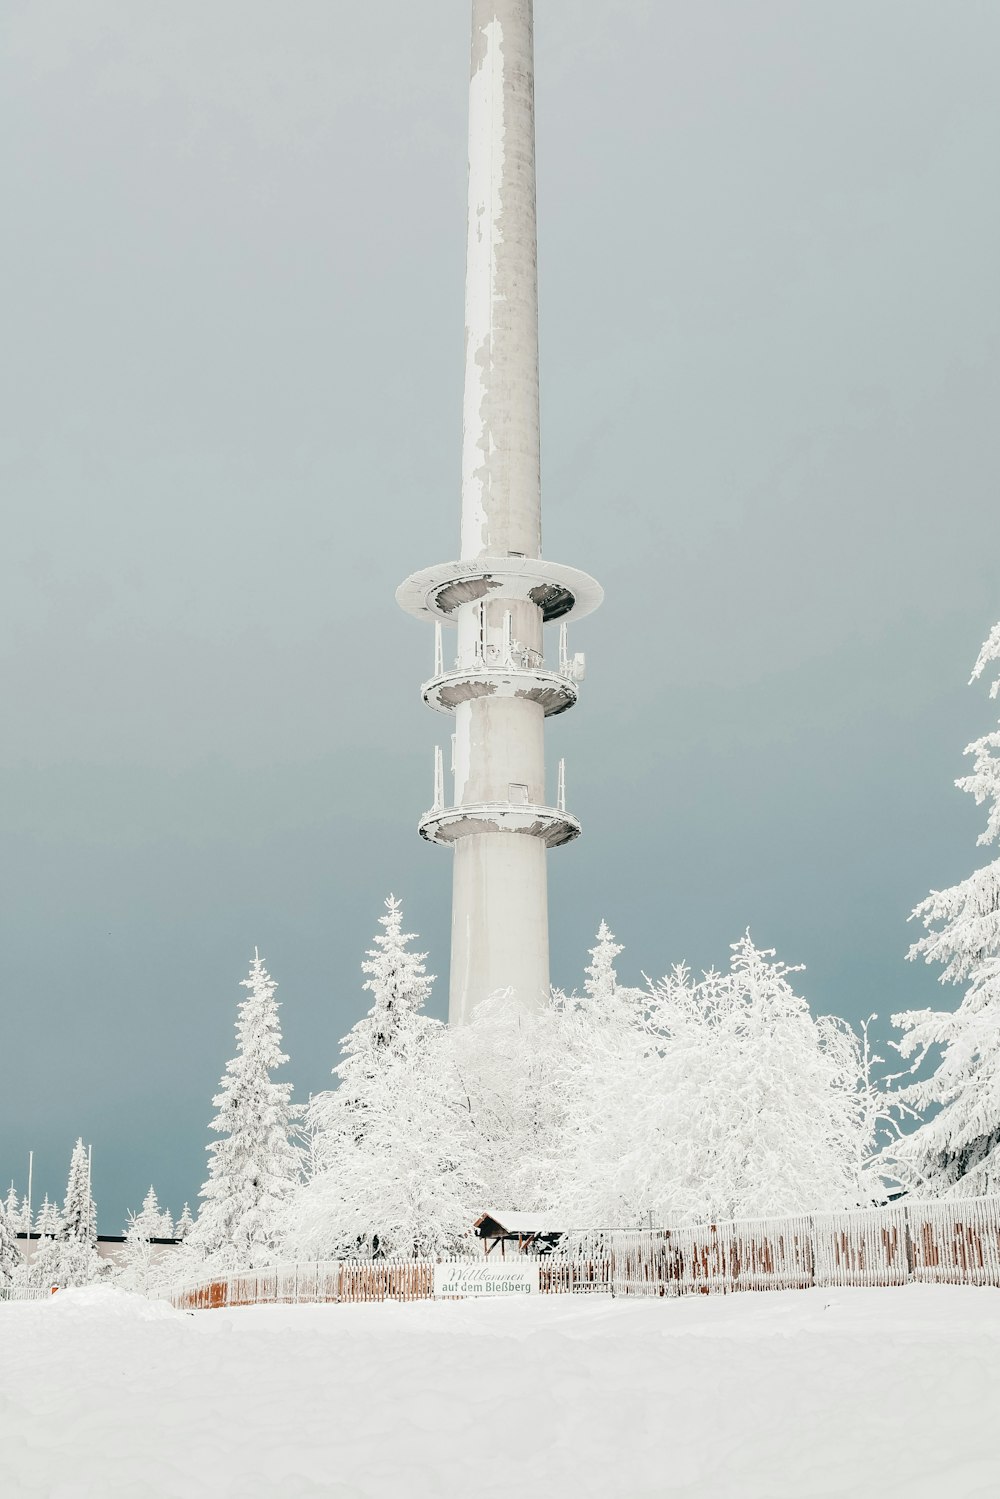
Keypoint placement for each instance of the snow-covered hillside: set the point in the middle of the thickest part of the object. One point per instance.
(797, 1394)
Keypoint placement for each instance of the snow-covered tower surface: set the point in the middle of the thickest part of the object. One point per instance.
(499, 596)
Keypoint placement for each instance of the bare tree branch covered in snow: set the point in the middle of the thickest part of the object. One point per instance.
(956, 1152)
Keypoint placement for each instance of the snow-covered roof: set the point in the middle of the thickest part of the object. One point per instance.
(513, 1222)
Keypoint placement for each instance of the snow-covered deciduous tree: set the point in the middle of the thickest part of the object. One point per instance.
(394, 1162)
(254, 1167)
(515, 1065)
(11, 1261)
(716, 1098)
(956, 1151)
(778, 1125)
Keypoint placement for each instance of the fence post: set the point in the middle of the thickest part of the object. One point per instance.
(812, 1250)
(908, 1241)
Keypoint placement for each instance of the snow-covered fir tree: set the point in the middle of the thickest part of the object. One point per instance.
(48, 1219)
(392, 1146)
(11, 1260)
(184, 1224)
(956, 1151)
(601, 982)
(134, 1260)
(18, 1212)
(152, 1220)
(254, 1167)
(137, 1257)
(71, 1259)
(79, 1215)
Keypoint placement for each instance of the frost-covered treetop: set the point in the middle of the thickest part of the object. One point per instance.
(957, 1149)
(254, 1166)
(397, 980)
(963, 922)
(990, 652)
(601, 976)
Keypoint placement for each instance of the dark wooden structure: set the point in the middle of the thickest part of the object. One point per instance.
(522, 1233)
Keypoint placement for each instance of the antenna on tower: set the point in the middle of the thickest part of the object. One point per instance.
(438, 649)
(561, 790)
(438, 778)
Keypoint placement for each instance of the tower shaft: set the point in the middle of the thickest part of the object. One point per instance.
(500, 594)
(501, 486)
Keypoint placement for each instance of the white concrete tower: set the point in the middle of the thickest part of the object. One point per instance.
(499, 596)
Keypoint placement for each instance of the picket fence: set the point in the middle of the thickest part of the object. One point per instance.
(944, 1243)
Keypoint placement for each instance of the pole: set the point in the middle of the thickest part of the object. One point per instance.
(31, 1162)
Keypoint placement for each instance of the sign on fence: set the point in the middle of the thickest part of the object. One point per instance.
(502, 1282)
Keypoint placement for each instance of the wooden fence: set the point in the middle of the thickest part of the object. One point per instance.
(953, 1243)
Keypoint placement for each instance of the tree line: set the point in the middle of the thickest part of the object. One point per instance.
(686, 1099)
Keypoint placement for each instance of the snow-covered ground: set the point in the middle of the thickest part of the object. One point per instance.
(798, 1394)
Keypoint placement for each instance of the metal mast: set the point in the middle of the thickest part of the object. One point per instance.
(500, 594)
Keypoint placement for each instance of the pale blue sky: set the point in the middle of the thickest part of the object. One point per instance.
(232, 400)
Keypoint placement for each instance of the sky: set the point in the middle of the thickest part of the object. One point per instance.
(233, 335)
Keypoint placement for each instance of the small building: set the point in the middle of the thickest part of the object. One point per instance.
(522, 1233)
(108, 1245)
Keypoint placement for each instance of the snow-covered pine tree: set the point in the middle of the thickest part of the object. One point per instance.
(137, 1257)
(184, 1224)
(12, 1207)
(71, 1259)
(399, 985)
(152, 1220)
(11, 1261)
(79, 1216)
(956, 1152)
(393, 1152)
(48, 1219)
(601, 982)
(254, 1167)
